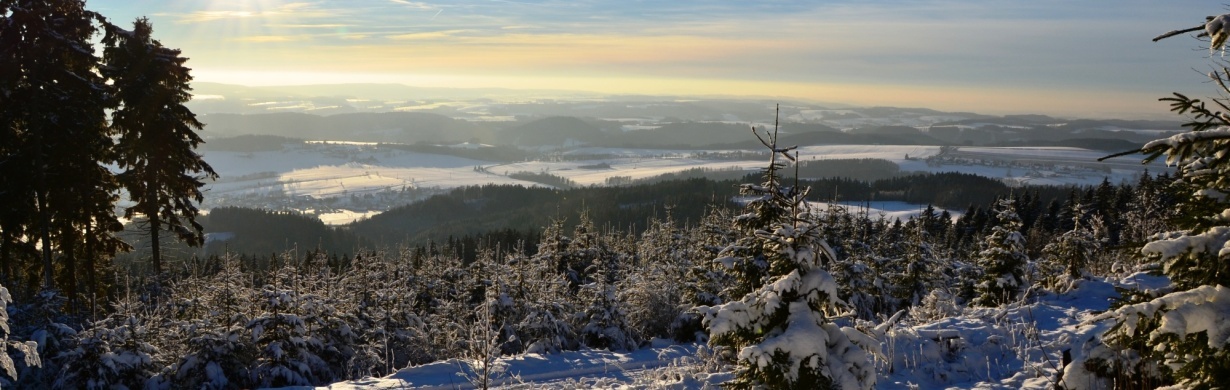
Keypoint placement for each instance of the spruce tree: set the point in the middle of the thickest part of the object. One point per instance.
(1002, 258)
(1180, 338)
(157, 134)
(1071, 254)
(779, 330)
(55, 131)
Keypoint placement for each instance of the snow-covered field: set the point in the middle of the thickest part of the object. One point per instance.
(1018, 346)
(891, 210)
(341, 170)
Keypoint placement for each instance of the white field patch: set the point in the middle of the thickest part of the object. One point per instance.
(635, 168)
(343, 216)
(325, 170)
(892, 210)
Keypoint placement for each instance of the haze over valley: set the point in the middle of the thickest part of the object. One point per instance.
(359, 150)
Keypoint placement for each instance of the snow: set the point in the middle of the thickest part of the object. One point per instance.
(1202, 309)
(1188, 138)
(572, 369)
(1018, 346)
(1217, 28)
(1171, 245)
(891, 210)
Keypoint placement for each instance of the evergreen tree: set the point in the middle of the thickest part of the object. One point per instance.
(389, 329)
(601, 321)
(157, 134)
(1002, 258)
(543, 325)
(115, 353)
(288, 354)
(55, 131)
(1068, 258)
(1180, 338)
(211, 314)
(652, 292)
(779, 330)
(920, 273)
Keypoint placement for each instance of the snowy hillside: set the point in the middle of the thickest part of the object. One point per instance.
(1019, 346)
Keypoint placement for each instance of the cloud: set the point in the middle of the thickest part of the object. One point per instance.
(209, 16)
(414, 4)
(297, 10)
(431, 35)
(312, 26)
(268, 38)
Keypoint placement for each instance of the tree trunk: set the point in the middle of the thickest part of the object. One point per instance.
(45, 239)
(43, 213)
(90, 276)
(6, 257)
(69, 253)
(155, 247)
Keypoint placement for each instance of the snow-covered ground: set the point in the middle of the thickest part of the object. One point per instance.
(1019, 346)
(891, 210)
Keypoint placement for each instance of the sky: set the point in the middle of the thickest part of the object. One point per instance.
(1089, 59)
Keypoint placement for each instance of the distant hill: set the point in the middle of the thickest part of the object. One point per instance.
(402, 127)
(695, 135)
(474, 210)
(553, 131)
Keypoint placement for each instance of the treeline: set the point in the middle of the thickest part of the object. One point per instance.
(249, 143)
(868, 169)
(470, 219)
(499, 153)
(475, 210)
(556, 181)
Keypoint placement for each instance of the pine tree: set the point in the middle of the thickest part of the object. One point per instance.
(157, 134)
(779, 331)
(1181, 338)
(55, 131)
(543, 325)
(383, 307)
(117, 352)
(601, 321)
(1072, 253)
(920, 271)
(288, 354)
(1002, 258)
(652, 292)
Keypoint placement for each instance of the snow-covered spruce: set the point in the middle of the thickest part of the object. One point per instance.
(1002, 258)
(1179, 339)
(1068, 257)
(779, 331)
(288, 354)
(117, 352)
